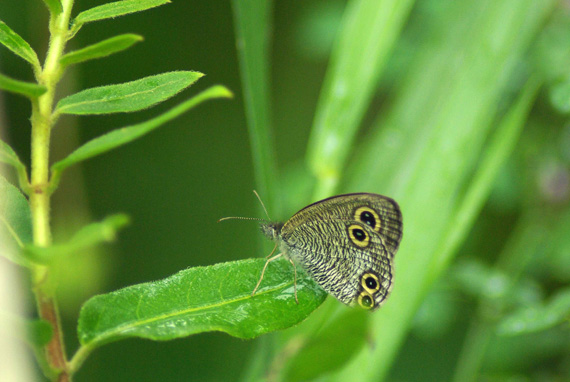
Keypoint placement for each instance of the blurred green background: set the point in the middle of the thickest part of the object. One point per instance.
(177, 182)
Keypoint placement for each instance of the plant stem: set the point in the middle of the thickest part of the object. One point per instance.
(40, 196)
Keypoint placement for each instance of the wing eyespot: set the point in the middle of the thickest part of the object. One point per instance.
(369, 217)
(358, 236)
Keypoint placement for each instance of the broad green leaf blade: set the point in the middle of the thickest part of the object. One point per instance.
(127, 97)
(538, 317)
(54, 6)
(101, 49)
(202, 299)
(116, 9)
(15, 221)
(26, 89)
(92, 234)
(333, 346)
(350, 83)
(128, 134)
(16, 44)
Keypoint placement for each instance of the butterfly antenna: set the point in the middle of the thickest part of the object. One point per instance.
(262, 205)
(239, 218)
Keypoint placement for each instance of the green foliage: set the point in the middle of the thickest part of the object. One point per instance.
(128, 97)
(455, 109)
(15, 221)
(128, 134)
(195, 300)
(116, 9)
(17, 45)
(101, 49)
(20, 87)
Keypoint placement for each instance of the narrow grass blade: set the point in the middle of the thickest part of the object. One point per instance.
(350, 84)
(252, 21)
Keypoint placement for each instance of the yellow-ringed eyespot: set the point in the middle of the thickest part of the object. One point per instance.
(358, 236)
(365, 300)
(370, 283)
(368, 216)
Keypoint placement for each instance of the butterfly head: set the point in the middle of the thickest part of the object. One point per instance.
(271, 230)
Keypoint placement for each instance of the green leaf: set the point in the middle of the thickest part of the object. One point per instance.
(538, 317)
(333, 346)
(560, 96)
(202, 299)
(128, 134)
(118, 8)
(15, 221)
(54, 6)
(127, 97)
(16, 44)
(7, 155)
(90, 235)
(27, 89)
(101, 49)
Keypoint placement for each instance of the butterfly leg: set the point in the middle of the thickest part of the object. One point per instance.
(270, 259)
(295, 281)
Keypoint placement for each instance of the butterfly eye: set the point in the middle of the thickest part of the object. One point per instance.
(358, 236)
(369, 282)
(365, 300)
(368, 216)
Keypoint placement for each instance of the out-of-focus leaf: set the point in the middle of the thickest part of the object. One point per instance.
(560, 96)
(88, 236)
(127, 97)
(15, 221)
(18, 45)
(538, 317)
(101, 49)
(202, 299)
(9, 156)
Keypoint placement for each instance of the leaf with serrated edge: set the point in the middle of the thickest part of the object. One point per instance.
(26, 89)
(118, 8)
(128, 97)
(202, 299)
(101, 49)
(17, 44)
(127, 134)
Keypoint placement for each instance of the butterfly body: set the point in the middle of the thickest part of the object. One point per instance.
(346, 243)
